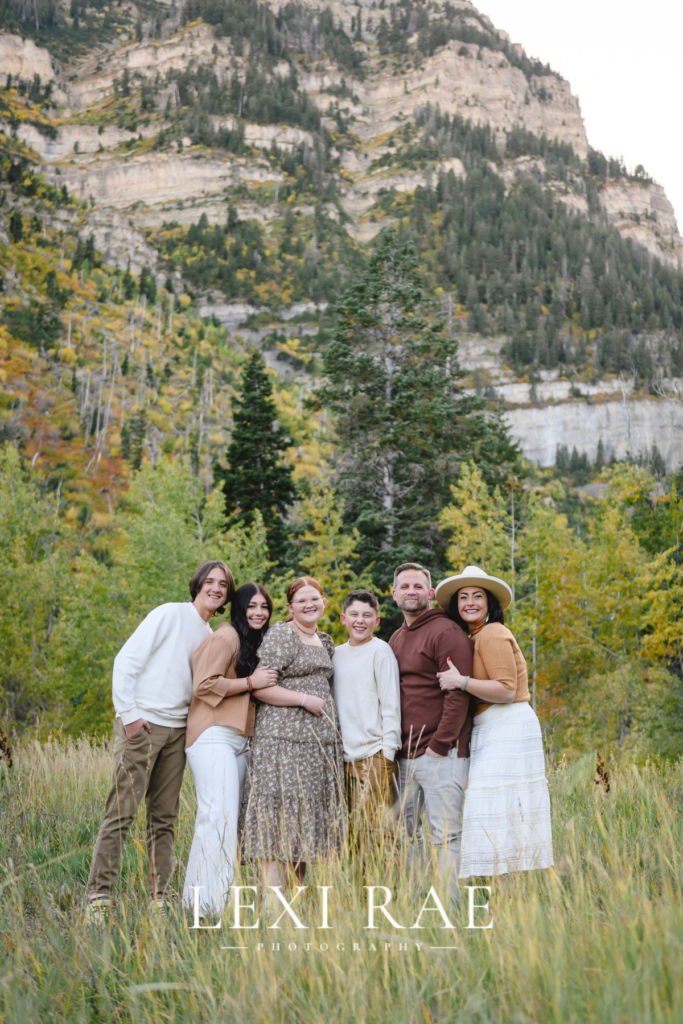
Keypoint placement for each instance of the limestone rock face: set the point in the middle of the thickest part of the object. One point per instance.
(156, 178)
(556, 411)
(264, 135)
(135, 187)
(486, 90)
(115, 237)
(625, 427)
(643, 212)
(83, 138)
(72, 139)
(94, 78)
(474, 82)
(21, 58)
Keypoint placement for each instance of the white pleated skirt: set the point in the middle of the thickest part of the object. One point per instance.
(506, 819)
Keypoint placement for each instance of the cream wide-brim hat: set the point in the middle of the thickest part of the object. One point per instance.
(473, 576)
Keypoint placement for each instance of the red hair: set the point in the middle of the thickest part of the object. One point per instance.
(295, 587)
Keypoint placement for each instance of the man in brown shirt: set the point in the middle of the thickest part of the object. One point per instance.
(436, 726)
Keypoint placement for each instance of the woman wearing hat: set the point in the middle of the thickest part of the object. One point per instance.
(506, 820)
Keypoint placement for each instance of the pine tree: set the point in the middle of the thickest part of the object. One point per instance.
(562, 458)
(16, 226)
(600, 457)
(148, 285)
(133, 437)
(256, 477)
(402, 422)
(90, 254)
(128, 285)
(79, 255)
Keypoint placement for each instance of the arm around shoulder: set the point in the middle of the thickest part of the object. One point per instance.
(455, 644)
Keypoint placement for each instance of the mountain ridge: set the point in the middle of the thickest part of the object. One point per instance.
(318, 125)
(482, 85)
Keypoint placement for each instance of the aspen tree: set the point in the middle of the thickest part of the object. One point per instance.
(329, 552)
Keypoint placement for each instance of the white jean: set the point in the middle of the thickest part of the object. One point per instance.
(218, 759)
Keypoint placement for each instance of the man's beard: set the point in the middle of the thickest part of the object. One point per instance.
(417, 604)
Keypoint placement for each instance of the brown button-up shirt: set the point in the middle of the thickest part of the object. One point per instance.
(220, 698)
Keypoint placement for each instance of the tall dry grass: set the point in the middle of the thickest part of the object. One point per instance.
(600, 939)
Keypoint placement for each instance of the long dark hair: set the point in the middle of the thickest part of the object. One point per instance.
(495, 612)
(250, 639)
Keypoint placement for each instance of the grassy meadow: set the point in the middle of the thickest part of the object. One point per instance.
(600, 939)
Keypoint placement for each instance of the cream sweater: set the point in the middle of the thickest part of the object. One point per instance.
(367, 693)
(153, 670)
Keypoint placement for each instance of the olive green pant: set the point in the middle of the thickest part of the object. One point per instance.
(148, 765)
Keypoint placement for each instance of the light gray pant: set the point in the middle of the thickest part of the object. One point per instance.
(435, 785)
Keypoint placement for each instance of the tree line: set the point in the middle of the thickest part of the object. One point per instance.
(417, 470)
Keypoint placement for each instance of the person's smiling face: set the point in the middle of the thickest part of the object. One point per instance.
(307, 606)
(360, 620)
(473, 605)
(213, 594)
(412, 592)
(257, 612)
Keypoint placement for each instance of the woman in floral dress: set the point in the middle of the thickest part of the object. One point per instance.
(293, 811)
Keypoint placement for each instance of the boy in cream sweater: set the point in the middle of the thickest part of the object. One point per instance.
(367, 693)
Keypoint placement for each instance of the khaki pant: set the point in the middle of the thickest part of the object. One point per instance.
(148, 765)
(370, 792)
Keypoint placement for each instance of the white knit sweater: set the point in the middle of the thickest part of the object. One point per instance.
(153, 670)
(367, 693)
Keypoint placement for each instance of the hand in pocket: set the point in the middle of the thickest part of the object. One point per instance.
(135, 727)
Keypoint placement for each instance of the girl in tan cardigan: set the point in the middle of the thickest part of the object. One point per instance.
(220, 719)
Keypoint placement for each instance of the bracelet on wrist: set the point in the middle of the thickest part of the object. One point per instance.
(250, 684)
(303, 700)
(466, 682)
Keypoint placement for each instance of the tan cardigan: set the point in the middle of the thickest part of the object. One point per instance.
(497, 656)
(220, 698)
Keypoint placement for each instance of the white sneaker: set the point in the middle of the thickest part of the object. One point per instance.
(98, 911)
(158, 907)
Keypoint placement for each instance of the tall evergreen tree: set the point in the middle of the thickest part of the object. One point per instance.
(16, 226)
(256, 476)
(403, 424)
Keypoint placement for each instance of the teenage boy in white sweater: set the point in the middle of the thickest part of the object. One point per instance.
(152, 691)
(367, 693)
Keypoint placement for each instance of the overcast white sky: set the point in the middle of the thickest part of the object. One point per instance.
(623, 60)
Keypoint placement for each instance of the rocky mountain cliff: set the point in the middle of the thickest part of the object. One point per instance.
(241, 156)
